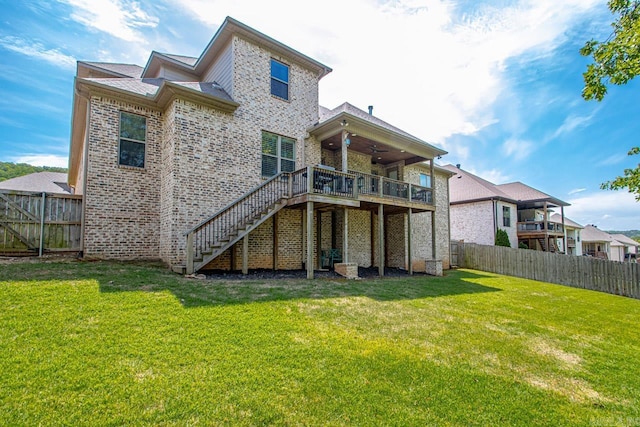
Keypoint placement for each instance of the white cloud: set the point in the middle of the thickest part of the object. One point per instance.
(576, 191)
(518, 149)
(43, 160)
(120, 18)
(614, 159)
(571, 123)
(609, 210)
(425, 67)
(39, 51)
(494, 176)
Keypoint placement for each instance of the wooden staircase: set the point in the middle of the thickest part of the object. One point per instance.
(212, 237)
(552, 245)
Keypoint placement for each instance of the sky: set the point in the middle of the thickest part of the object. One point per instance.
(496, 83)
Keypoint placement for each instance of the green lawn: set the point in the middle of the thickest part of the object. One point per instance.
(124, 344)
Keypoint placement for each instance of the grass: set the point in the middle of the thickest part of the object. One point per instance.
(130, 344)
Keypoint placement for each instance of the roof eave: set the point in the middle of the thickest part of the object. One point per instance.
(231, 26)
(333, 125)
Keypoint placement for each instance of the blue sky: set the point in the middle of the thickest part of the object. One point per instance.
(495, 83)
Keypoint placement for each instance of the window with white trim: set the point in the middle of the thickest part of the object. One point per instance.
(278, 154)
(506, 216)
(425, 180)
(133, 137)
(279, 79)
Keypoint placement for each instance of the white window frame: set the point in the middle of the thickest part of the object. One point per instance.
(144, 143)
(278, 155)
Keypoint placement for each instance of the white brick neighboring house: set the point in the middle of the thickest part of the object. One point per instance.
(479, 208)
(600, 244)
(572, 235)
(226, 161)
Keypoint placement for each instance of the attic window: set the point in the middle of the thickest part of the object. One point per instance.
(279, 79)
(133, 136)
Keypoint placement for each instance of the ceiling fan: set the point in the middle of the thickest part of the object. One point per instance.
(374, 149)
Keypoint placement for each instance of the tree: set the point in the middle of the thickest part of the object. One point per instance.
(502, 238)
(616, 61)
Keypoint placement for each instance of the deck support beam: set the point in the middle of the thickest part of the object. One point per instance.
(433, 234)
(309, 240)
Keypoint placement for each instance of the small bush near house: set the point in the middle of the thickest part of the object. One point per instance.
(523, 245)
(502, 238)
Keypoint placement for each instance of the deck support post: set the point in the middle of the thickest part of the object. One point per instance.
(345, 237)
(381, 240)
(409, 247)
(433, 234)
(275, 240)
(245, 254)
(190, 255)
(345, 136)
(309, 240)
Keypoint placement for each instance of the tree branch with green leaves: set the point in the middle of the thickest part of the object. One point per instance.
(616, 61)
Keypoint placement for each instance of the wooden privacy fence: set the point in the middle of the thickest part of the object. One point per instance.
(38, 222)
(577, 271)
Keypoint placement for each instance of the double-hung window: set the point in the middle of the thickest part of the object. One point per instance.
(278, 154)
(425, 180)
(279, 79)
(133, 136)
(506, 216)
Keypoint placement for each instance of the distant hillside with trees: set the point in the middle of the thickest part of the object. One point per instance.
(634, 234)
(10, 170)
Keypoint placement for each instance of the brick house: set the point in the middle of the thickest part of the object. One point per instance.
(226, 161)
(479, 208)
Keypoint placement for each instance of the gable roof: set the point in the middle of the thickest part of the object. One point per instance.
(627, 241)
(591, 233)
(39, 182)
(117, 70)
(556, 217)
(467, 187)
(371, 127)
(529, 195)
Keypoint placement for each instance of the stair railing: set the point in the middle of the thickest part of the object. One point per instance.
(236, 216)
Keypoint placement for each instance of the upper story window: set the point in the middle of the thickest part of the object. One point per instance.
(506, 216)
(133, 137)
(278, 154)
(279, 79)
(425, 180)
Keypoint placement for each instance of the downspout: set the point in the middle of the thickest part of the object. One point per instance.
(495, 219)
(85, 167)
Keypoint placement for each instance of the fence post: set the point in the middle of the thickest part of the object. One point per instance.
(42, 212)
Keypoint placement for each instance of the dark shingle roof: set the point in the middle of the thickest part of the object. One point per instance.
(467, 187)
(129, 70)
(39, 182)
(327, 114)
(189, 60)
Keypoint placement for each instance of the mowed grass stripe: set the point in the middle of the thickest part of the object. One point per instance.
(116, 343)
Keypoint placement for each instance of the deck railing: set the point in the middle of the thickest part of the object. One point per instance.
(228, 223)
(379, 186)
(535, 226)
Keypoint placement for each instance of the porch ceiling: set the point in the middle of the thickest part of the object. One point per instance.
(380, 153)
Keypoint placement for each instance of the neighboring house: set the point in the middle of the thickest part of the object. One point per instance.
(572, 236)
(631, 245)
(479, 208)
(600, 244)
(226, 161)
(39, 182)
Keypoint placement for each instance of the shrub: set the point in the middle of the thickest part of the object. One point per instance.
(502, 238)
(523, 245)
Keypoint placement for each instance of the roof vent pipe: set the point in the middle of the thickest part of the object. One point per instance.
(371, 110)
(458, 166)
